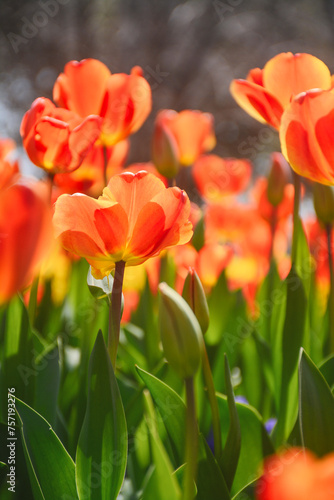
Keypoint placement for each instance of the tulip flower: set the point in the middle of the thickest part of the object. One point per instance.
(9, 170)
(216, 177)
(267, 92)
(56, 139)
(297, 474)
(122, 101)
(186, 136)
(135, 218)
(307, 135)
(25, 232)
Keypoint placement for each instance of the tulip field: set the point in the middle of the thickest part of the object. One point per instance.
(167, 328)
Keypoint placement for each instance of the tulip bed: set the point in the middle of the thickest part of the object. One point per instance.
(167, 328)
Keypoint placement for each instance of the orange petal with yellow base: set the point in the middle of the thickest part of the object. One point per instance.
(134, 219)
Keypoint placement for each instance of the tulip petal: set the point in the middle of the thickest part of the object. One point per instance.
(74, 223)
(307, 135)
(82, 86)
(163, 222)
(287, 75)
(25, 234)
(193, 132)
(126, 105)
(51, 139)
(132, 192)
(82, 139)
(257, 102)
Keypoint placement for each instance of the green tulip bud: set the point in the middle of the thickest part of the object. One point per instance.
(180, 331)
(277, 179)
(323, 199)
(165, 152)
(194, 295)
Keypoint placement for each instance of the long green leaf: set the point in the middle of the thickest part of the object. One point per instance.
(255, 442)
(163, 484)
(293, 335)
(102, 448)
(51, 469)
(316, 410)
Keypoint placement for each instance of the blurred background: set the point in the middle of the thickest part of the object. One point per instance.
(189, 51)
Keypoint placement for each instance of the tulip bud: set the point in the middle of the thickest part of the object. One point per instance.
(323, 199)
(165, 152)
(193, 293)
(278, 178)
(180, 331)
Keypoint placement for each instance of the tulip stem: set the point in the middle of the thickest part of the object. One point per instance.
(296, 203)
(33, 300)
(329, 232)
(115, 310)
(217, 438)
(105, 157)
(191, 441)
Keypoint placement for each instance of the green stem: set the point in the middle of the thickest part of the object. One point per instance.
(329, 232)
(105, 157)
(217, 439)
(296, 204)
(33, 300)
(191, 442)
(270, 281)
(115, 311)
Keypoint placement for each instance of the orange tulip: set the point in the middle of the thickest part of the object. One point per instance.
(266, 93)
(307, 135)
(135, 218)
(297, 474)
(123, 101)
(89, 177)
(266, 209)
(9, 170)
(192, 131)
(25, 232)
(56, 139)
(216, 177)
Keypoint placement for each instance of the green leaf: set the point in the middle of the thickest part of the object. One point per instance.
(327, 370)
(210, 480)
(47, 381)
(221, 301)
(16, 358)
(172, 410)
(145, 317)
(51, 469)
(231, 451)
(165, 483)
(102, 447)
(316, 409)
(255, 442)
(293, 335)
